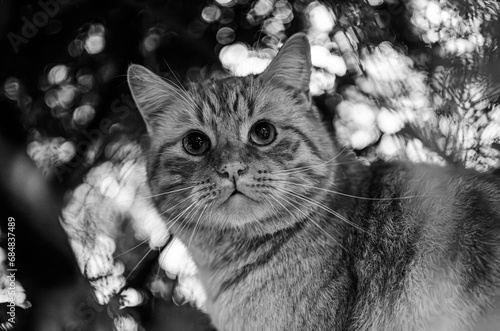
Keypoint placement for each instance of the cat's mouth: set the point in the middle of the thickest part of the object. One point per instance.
(238, 195)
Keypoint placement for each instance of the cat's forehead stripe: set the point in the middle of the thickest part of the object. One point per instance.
(229, 102)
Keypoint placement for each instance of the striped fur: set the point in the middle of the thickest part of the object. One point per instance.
(403, 247)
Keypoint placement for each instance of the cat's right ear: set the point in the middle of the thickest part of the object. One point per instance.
(291, 67)
(152, 95)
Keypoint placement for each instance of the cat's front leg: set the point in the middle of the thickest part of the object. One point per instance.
(178, 264)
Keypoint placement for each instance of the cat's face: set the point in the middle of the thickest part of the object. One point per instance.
(236, 152)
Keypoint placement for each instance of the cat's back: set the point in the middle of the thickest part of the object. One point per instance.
(430, 256)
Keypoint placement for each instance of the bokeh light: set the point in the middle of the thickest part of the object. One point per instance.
(76, 47)
(321, 18)
(152, 41)
(375, 2)
(95, 42)
(62, 96)
(12, 88)
(226, 15)
(241, 61)
(58, 74)
(225, 35)
(273, 26)
(226, 3)
(211, 13)
(85, 80)
(233, 54)
(83, 114)
(283, 11)
(263, 7)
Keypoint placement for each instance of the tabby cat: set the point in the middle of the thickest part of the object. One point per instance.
(289, 232)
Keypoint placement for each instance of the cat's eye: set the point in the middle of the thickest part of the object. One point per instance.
(262, 133)
(196, 143)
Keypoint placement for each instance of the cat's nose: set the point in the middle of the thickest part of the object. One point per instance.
(233, 170)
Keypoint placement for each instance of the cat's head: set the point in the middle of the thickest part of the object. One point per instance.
(237, 152)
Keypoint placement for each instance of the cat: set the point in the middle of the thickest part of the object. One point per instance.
(291, 232)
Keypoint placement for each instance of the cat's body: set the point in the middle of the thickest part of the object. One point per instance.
(290, 233)
(426, 262)
(431, 261)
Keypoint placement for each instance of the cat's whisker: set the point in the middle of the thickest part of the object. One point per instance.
(196, 225)
(160, 261)
(149, 250)
(173, 74)
(308, 217)
(176, 91)
(221, 226)
(297, 170)
(141, 243)
(357, 197)
(168, 192)
(172, 221)
(273, 207)
(327, 209)
(285, 208)
(182, 201)
(136, 266)
(131, 249)
(162, 257)
(136, 246)
(147, 197)
(288, 171)
(179, 94)
(322, 206)
(190, 216)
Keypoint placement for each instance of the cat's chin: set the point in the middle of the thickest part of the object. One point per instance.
(239, 202)
(239, 209)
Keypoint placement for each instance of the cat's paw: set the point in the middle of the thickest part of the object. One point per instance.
(178, 264)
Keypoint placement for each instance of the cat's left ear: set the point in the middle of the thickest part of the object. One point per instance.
(154, 96)
(292, 66)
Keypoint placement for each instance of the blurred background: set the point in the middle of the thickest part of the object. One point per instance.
(400, 79)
